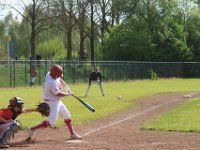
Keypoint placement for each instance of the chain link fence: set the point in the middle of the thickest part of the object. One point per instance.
(18, 73)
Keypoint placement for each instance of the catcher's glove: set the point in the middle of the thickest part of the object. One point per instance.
(43, 108)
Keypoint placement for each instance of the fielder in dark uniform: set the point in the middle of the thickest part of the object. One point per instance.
(95, 76)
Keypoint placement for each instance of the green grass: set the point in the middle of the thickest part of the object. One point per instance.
(184, 118)
(104, 106)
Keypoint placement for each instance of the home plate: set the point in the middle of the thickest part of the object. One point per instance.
(187, 96)
(76, 141)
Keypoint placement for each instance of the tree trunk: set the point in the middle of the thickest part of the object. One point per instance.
(33, 33)
(69, 45)
(33, 43)
(81, 55)
(92, 32)
(103, 22)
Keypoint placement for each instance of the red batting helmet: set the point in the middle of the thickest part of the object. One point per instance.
(56, 71)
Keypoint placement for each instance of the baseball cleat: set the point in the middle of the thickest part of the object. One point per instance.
(75, 136)
(31, 135)
(3, 144)
(30, 139)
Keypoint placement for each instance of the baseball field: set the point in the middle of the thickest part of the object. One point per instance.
(143, 114)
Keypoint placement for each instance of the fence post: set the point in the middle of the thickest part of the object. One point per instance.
(10, 65)
(25, 73)
(14, 79)
(39, 73)
(74, 72)
(46, 66)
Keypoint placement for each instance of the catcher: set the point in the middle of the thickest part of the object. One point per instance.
(8, 125)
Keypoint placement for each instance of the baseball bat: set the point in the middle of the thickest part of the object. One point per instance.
(88, 106)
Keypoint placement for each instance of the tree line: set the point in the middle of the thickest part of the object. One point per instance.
(133, 30)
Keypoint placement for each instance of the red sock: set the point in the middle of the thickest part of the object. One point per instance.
(43, 124)
(68, 122)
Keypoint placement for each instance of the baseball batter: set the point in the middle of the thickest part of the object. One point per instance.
(52, 94)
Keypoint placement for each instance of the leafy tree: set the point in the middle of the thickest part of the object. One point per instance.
(65, 21)
(38, 20)
(166, 31)
(22, 42)
(10, 29)
(128, 41)
(193, 38)
(52, 49)
(2, 41)
(82, 6)
(154, 34)
(144, 30)
(171, 43)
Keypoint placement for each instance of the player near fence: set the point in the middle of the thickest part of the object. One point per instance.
(95, 77)
(33, 77)
(52, 95)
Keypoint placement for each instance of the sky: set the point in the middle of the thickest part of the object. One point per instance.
(6, 6)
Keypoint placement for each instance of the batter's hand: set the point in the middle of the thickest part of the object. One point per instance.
(70, 94)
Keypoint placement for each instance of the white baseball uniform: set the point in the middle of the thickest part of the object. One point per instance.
(57, 108)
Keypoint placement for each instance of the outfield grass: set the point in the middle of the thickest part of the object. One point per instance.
(129, 91)
(184, 118)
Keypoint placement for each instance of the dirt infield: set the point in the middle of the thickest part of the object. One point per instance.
(120, 131)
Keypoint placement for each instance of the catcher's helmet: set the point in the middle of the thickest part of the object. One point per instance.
(16, 102)
(56, 71)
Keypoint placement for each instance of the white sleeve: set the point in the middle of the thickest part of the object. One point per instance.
(54, 88)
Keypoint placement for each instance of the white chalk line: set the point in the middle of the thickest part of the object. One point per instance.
(133, 116)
